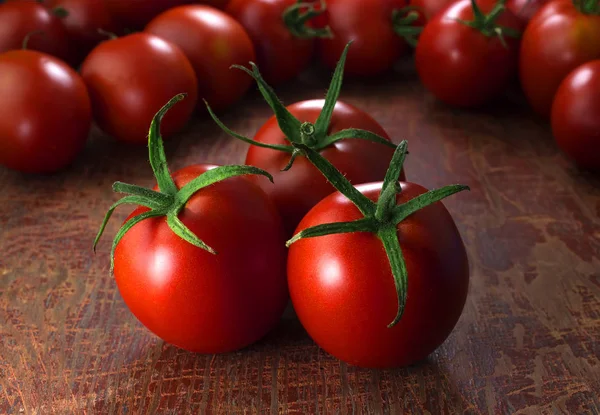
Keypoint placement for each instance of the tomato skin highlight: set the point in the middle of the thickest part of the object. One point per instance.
(459, 64)
(296, 191)
(212, 41)
(368, 23)
(198, 301)
(576, 115)
(343, 291)
(19, 19)
(127, 84)
(46, 112)
(525, 9)
(280, 55)
(558, 39)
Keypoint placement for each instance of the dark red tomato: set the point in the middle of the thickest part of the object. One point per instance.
(131, 78)
(196, 300)
(343, 290)
(576, 115)
(47, 33)
(525, 9)
(46, 113)
(296, 191)
(135, 14)
(281, 55)
(84, 19)
(428, 9)
(212, 41)
(369, 24)
(557, 40)
(459, 64)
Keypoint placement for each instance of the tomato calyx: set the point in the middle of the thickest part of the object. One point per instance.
(380, 218)
(169, 201)
(402, 21)
(486, 24)
(315, 136)
(588, 7)
(297, 16)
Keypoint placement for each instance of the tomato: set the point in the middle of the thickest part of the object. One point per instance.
(212, 41)
(46, 31)
(83, 21)
(296, 191)
(428, 9)
(281, 54)
(525, 9)
(46, 114)
(135, 14)
(131, 77)
(558, 39)
(369, 24)
(463, 65)
(343, 286)
(576, 115)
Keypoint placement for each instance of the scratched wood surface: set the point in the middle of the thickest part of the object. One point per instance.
(528, 341)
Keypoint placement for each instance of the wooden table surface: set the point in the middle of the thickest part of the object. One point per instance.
(528, 340)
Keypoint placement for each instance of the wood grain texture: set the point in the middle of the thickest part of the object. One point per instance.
(528, 341)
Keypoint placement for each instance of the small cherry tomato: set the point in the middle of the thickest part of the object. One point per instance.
(46, 113)
(576, 115)
(466, 59)
(213, 41)
(525, 9)
(559, 38)
(44, 30)
(131, 77)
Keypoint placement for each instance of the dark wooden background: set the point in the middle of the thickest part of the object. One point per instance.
(528, 341)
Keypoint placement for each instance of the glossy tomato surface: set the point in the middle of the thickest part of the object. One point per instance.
(212, 41)
(84, 20)
(343, 291)
(576, 115)
(558, 39)
(428, 9)
(281, 56)
(459, 64)
(47, 33)
(196, 300)
(525, 9)
(46, 113)
(368, 23)
(296, 191)
(131, 78)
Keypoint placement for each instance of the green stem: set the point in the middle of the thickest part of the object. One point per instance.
(28, 36)
(297, 16)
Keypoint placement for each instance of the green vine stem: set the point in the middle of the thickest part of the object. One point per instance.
(315, 136)
(402, 21)
(487, 25)
(297, 16)
(169, 200)
(589, 7)
(381, 217)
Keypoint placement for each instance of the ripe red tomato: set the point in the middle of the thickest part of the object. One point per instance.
(462, 65)
(576, 115)
(558, 39)
(281, 55)
(212, 41)
(369, 24)
(47, 33)
(129, 80)
(196, 300)
(525, 9)
(46, 113)
(82, 22)
(428, 9)
(296, 191)
(343, 290)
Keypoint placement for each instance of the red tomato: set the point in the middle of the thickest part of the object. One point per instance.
(129, 80)
(296, 191)
(196, 300)
(369, 24)
(428, 9)
(343, 290)
(558, 39)
(212, 41)
(281, 55)
(47, 33)
(576, 115)
(461, 65)
(84, 19)
(46, 115)
(525, 9)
